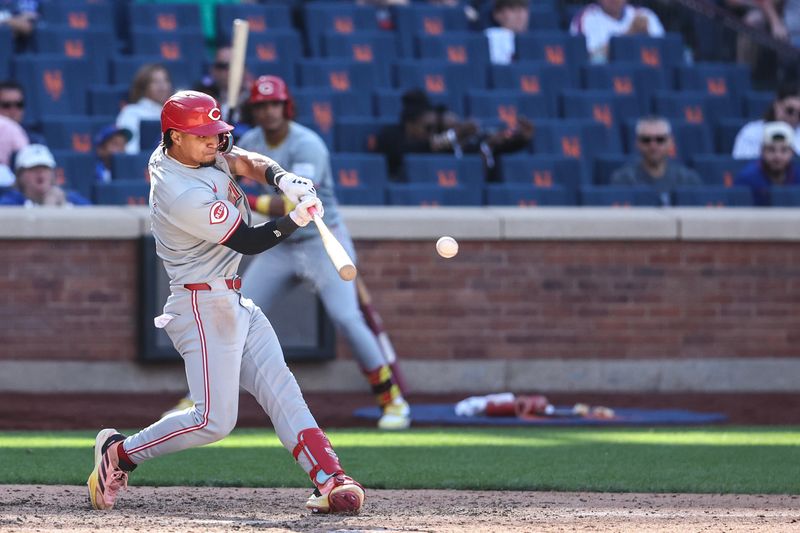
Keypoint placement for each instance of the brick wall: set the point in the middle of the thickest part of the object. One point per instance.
(62, 299)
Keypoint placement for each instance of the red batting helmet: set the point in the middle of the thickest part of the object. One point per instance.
(272, 89)
(193, 112)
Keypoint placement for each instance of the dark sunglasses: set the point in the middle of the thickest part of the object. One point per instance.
(647, 139)
(221, 65)
(791, 110)
(19, 104)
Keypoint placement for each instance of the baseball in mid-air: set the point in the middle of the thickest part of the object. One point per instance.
(447, 247)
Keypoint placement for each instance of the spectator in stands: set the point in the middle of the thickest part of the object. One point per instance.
(654, 167)
(36, 181)
(107, 142)
(150, 89)
(761, 15)
(6, 179)
(12, 138)
(215, 83)
(20, 16)
(12, 105)
(775, 168)
(601, 21)
(785, 108)
(511, 17)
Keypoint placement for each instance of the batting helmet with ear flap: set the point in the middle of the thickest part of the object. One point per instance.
(193, 112)
(272, 89)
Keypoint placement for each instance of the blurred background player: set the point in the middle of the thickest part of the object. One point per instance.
(301, 151)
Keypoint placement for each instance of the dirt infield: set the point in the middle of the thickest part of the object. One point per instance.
(25, 508)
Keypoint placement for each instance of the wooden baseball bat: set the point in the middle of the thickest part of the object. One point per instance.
(336, 252)
(241, 29)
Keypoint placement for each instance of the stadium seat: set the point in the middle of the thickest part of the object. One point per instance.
(325, 106)
(611, 196)
(339, 17)
(718, 169)
(107, 99)
(275, 46)
(361, 179)
(378, 48)
(543, 17)
(785, 196)
(166, 17)
(149, 135)
(439, 78)
(654, 52)
(130, 167)
(54, 86)
(420, 19)
(689, 106)
(756, 103)
(573, 138)
(77, 15)
(527, 196)
(459, 47)
(690, 139)
(341, 75)
(606, 164)
(121, 193)
(282, 69)
(555, 48)
(430, 195)
(261, 19)
(124, 68)
(358, 134)
(540, 171)
(444, 170)
(95, 45)
(506, 106)
(73, 132)
(75, 171)
(6, 51)
(719, 80)
(170, 46)
(320, 125)
(726, 131)
(627, 80)
(534, 78)
(710, 196)
(604, 107)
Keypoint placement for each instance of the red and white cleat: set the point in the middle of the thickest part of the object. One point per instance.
(340, 494)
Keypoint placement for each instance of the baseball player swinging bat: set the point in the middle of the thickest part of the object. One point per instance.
(241, 29)
(336, 252)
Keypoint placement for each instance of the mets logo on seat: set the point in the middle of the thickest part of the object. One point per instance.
(53, 83)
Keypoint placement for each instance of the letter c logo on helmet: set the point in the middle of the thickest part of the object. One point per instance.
(193, 112)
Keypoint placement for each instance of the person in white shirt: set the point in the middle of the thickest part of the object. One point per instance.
(512, 17)
(601, 21)
(151, 87)
(785, 108)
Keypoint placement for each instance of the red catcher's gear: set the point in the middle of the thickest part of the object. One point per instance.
(193, 112)
(272, 89)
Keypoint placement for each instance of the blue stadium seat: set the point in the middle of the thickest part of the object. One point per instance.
(460, 47)
(540, 171)
(275, 46)
(444, 170)
(605, 165)
(165, 17)
(573, 138)
(527, 196)
(604, 107)
(281, 69)
(785, 196)
(429, 195)
(555, 48)
(439, 78)
(94, 45)
(420, 19)
(6, 51)
(170, 46)
(338, 17)
(121, 193)
(627, 79)
(124, 68)
(689, 106)
(361, 179)
(543, 17)
(77, 15)
(377, 48)
(358, 134)
(690, 138)
(54, 86)
(654, 52)
(261, 19)
(73, 132)
(507, 106)
(608, 196)
(325, 106)
(75, 171)
(719, 80)
(534, 78)
(340, 75)
(710, 196)
(756, 103)
(718, 169)
(726, 131)
(107, 99)
(322, 127)
(130, 167)
(149, 135)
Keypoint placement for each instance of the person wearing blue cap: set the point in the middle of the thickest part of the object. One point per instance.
(109, 141)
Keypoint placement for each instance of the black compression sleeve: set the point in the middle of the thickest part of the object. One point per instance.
(251, 241)
(273, 174)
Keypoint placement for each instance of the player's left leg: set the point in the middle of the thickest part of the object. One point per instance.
(341, 303)
(264, 374)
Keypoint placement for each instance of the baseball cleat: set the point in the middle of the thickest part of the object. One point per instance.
(396, 415)
(107, 478)
(340, 494)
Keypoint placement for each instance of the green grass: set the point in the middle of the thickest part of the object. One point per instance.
(722, 459)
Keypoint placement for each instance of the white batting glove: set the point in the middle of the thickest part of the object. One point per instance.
(295, 187)
(300, 214)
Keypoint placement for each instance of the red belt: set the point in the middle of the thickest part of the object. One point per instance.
(234, 284)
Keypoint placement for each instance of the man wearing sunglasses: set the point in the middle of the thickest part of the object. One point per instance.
(775, 168)
(655, 167)
(12, 105)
